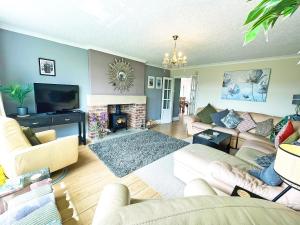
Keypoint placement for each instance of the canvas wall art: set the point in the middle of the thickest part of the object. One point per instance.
(246, 85)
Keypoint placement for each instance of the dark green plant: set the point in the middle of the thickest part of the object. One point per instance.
(265, 15)
(17, 92)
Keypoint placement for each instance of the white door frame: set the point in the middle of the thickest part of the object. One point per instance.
(167, 114)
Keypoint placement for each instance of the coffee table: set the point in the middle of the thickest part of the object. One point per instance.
(220, 141)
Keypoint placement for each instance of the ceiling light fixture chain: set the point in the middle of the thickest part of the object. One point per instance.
(177, 59)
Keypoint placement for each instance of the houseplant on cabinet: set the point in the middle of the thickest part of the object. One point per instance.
(18, 93)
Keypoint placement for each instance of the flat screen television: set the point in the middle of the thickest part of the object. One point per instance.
(56, 98)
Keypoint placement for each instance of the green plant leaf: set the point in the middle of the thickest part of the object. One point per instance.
(251, 35)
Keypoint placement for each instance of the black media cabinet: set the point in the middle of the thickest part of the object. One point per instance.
(45, 120)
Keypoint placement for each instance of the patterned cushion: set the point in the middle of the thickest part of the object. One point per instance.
(216, 117)
(278, 127)
(292, 138)
(247, 123)
(231, 120)
(267, 175)
(284, 133)
(204, 114)
(264, 128)
(266, 160)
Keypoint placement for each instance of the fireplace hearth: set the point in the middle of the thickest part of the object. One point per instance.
(117, 120)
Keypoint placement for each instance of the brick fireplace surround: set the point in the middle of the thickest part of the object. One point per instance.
(134, 106)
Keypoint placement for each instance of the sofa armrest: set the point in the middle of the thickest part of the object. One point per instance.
(55, 155)
(198, 187)
(112, 197)
(46, 136)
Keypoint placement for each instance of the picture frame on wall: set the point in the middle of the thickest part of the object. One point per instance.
(158, 83)
(151, 81)
(47, 67)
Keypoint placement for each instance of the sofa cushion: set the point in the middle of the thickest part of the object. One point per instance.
(233, 132)
(216, 117)
(265, 128)
(259, 146)
(232, 120)
(278, 127)
(254, 137)
(249, 155)
(30, 135)
(284, 133)
(202, 126)
(204, 114)
(266, 160)
(267, 175)
(247, 123)
(292, 138)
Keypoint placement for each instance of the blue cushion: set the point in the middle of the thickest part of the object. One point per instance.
(231, 120)
(267, 175)
(216, 117)
(266, 160)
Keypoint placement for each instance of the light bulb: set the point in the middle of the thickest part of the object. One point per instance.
(179, 54)
(166, 54)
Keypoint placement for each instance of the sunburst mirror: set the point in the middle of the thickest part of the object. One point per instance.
(121, 75)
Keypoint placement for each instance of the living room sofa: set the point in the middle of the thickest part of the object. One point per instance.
(224, 171)
(200, 206)
(238, 138)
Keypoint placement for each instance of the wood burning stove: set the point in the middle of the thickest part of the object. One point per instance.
(117, 120)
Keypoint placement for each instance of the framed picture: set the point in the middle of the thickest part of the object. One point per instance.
(47, 67)
(158, 82)
(246, 85)
(151, 81)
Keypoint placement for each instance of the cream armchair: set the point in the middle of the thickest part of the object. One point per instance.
(200, 206)
(17, 156)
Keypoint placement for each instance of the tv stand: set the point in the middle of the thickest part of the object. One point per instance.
(45, 120)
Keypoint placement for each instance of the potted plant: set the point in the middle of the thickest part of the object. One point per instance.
(17, 93)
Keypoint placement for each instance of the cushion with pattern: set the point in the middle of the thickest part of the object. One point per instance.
(264, 128)
(247, 123)
(232, 120)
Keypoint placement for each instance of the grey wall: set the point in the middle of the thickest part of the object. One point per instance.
(176, 97)
(19, 63)
(154, 96)
(98, 73)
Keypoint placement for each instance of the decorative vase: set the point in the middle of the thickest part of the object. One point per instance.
(22, 111)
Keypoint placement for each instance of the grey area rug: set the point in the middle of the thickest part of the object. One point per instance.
(126, 154)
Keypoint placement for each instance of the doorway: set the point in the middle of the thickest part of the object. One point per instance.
(185, 96)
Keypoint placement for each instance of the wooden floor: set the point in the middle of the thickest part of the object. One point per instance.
(78, 193)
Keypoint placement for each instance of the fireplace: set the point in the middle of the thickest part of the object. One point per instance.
(117, 120)
(133, 108)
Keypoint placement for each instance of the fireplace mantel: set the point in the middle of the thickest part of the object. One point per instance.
(103, 100)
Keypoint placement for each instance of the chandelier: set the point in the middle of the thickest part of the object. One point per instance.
(176, 60)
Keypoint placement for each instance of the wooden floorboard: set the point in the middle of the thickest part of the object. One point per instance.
(78, 193)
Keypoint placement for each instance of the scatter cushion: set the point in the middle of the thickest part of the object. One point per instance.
(266, 160)
(216, 117)
(277, 128)
(232, 120)
(247, 123)
(292, 138)
(267, 175)
(204, 114)
(264, 128)
(284, 133)
(30, 135)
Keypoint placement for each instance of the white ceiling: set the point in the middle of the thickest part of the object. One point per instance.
(209, 31)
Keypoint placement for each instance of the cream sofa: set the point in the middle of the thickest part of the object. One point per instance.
(224, 171)
(17, 156)
(201, 206)
(194, 126)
